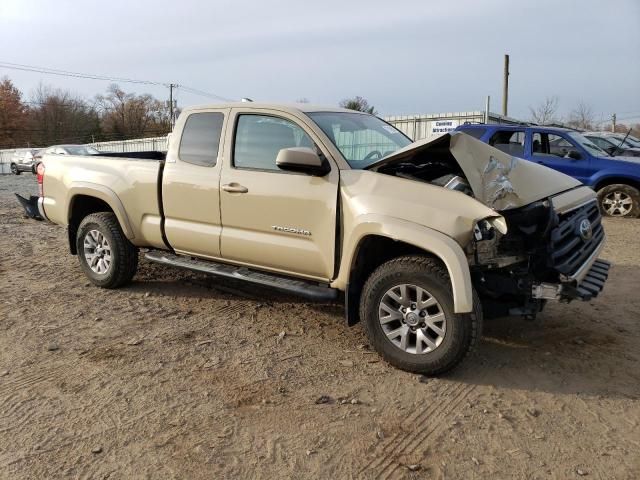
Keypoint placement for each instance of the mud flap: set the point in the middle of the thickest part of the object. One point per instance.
(30, 206)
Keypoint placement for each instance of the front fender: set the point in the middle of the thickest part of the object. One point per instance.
(427, 239)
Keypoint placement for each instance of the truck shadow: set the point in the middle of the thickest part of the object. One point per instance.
(586, 348)
(581, 348)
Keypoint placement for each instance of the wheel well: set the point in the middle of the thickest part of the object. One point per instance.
(81, 206)
(372, 251)
(617, 180)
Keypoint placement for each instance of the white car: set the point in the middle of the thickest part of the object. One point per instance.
(22, 161)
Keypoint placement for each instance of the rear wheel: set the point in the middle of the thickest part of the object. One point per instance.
(106, 256)
(407, 310)
(619, 200)
(14, 169)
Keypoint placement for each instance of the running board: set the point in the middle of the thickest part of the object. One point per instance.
(308, 289)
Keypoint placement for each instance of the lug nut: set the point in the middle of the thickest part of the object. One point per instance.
(423, 313)
(413, 306)
(404, 310)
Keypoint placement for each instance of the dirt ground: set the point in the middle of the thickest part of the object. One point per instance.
(182, 376)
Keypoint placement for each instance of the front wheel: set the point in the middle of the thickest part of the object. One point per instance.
(407, 310)
(106, 256)
(619, 200)
(14, 169)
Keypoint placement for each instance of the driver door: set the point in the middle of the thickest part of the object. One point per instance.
(274, 219)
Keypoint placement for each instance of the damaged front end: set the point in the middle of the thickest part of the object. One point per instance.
(546, 254)
(550, 234)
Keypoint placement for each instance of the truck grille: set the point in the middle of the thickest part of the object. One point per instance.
(569, 250)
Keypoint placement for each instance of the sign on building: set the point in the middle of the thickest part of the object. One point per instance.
(438, 127)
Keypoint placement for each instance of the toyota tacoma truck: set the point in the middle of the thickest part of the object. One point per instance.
(419, 240)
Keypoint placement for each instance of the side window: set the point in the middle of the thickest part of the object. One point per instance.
(536, 143)
(259, 138)
(551, 145)
(559, 146)
(509, 141)
(201, 138)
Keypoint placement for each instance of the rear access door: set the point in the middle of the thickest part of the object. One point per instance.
(191, 184)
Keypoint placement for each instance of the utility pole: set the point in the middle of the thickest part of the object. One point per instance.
(613, 123)
(486, 110)
(171, 119)
(505, 86)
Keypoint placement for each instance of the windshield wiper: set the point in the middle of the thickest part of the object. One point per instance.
(623, 140)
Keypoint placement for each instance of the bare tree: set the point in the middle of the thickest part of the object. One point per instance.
(302, 100)
(129, 115)
(582, 117)
(544, 113)
(359, 104)
(58, 116)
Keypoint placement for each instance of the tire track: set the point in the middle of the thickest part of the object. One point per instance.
(407, 425)
(425, 434)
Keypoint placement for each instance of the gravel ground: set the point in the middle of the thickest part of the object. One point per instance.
(182, 376)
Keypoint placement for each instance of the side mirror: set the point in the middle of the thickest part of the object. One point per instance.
(574, 154)
(302, 159)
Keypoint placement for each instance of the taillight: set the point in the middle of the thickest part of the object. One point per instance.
(40, 174)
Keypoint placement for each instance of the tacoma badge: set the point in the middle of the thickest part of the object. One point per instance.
(298, 231)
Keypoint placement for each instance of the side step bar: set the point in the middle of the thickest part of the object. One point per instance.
(308, 289)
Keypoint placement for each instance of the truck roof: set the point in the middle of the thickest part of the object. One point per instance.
(287, 107)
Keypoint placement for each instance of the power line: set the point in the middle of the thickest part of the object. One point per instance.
(202, 93)
(66, 73)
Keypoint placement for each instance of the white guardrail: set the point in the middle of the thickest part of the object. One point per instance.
(118, 146)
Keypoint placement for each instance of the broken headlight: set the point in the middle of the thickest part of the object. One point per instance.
(486, 229)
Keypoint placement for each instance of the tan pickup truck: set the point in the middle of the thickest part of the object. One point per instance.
(419, 240)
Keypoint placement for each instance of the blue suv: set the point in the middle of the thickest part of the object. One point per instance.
(615, 179)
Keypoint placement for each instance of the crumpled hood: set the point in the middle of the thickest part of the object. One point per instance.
(497, 179)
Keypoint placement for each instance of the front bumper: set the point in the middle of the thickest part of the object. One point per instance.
(592, 283)
(585, 285)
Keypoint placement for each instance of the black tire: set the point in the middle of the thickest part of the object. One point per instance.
(462, 330)
(124, 256)
(620, 191)
(14, 169)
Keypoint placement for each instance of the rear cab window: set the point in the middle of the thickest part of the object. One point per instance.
(200, 139)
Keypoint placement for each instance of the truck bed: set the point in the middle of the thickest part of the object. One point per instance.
(127, 182)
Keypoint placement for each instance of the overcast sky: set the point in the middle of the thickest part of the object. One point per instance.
(414, 56)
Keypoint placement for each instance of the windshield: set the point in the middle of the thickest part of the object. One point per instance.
(587, 144)
(81, 150)
(362, 139)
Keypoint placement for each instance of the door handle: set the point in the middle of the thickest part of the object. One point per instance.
(234, 188)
